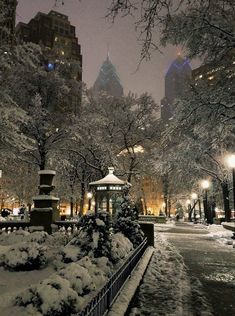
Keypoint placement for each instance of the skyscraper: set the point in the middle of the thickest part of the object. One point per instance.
(7, 21)
(177, 76)
(108, 80)
(55, 33)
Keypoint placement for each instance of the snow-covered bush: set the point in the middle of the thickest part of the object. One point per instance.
(14, 237)
(67, 291)
(59, 238)
(127, 220)
(70, 253)
(51, 297)
(131, 229)
(94, 236)
(23, 257)
(121, 247)
(79, 278)
(40, 237)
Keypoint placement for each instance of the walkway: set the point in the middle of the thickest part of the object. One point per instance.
(212, 263)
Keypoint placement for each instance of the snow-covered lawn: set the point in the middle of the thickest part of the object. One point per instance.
(43, 274)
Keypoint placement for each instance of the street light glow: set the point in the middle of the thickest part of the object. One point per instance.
(89, 195)
(194, 196)
(205, 184)
(231, 161)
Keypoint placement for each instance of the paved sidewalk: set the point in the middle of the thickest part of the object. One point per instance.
(210, 262)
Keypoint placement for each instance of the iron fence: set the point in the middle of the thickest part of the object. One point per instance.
(101, 303)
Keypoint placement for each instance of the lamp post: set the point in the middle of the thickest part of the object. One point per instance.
(188, 204)
(231, 164)
(194, 197)
(89, 196)
(205, 185)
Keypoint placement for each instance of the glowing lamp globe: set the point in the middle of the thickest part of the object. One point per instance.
(231, 161)
(89, 195)
(205, 184)
(194, 196)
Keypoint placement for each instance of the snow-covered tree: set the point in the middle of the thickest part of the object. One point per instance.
(43, 136)
(203, 28)
(127, 219)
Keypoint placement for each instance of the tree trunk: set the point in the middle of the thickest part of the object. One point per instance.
(225, 191)
(71, 206)
(71, 200)
(83, 190)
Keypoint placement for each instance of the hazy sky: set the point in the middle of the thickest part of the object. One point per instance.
(95, 33)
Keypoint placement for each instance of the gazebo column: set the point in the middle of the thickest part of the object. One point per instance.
(107, 197)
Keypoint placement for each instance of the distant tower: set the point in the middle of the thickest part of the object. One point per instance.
(108, 80)
(7, 21)
(177, 76)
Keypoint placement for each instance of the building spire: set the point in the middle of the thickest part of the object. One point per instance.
(108, 53)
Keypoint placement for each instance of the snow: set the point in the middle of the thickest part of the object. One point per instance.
(120, 306)
(220, 234)
(68, 287)
(167, 284)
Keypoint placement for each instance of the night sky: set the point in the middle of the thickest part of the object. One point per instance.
(95, 34)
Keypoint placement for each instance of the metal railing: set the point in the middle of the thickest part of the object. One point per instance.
(100, 304)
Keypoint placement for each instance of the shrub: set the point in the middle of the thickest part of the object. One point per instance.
(23, 257)
(51, 297)
(121, 247)
(94, 236)
(131, 229)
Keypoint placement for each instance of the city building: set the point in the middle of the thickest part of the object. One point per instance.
(55, 33)
(108, 80)
(7, 21)
(177, 76)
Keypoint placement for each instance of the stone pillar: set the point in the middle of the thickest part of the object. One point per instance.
(45, 211)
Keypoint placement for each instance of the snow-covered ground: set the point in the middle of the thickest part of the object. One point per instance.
(167, 287)
(58, 278)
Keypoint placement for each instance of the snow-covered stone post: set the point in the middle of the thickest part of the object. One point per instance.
(45, 211)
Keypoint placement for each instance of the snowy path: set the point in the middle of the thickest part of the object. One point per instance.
(209, 261)
(190, 273)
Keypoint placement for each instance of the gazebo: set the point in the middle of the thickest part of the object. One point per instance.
(107, 191)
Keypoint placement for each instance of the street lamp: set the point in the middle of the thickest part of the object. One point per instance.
(231, 164)
(194, 197)
(89, 196)
(188, 204)
(205, 185)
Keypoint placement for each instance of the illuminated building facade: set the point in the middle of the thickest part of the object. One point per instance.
(55, 33)
(7, 23)
(177, 76)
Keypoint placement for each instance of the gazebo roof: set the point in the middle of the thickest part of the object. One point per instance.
(109, 179)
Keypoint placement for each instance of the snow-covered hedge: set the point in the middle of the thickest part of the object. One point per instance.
(131, 229)
(23, 257)
(67, 291)
(51, 297)
(14, 237)
(93, 238)
(121, 247)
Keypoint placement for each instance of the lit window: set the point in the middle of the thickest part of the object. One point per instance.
(62, 52)
(56, 39)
